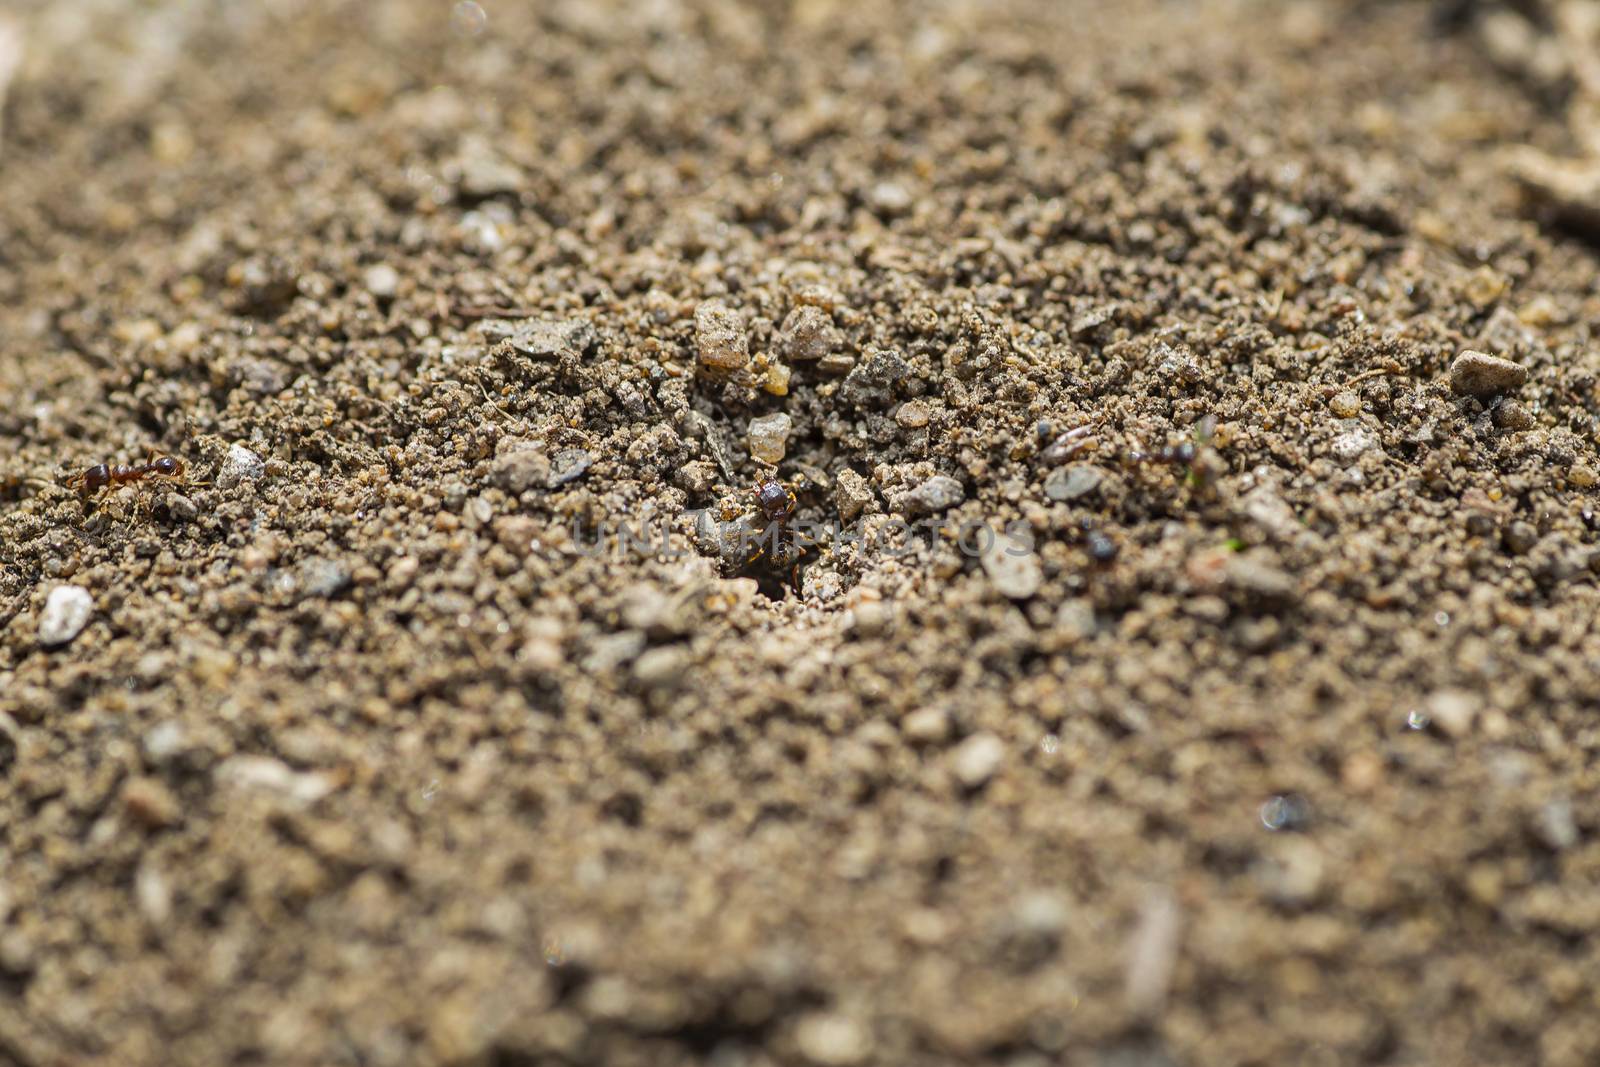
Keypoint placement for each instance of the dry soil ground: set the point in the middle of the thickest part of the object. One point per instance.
(363, 754)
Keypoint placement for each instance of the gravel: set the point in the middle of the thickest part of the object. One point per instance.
(1070, 483)
(497, 797)
(1012, 566)
(1482, 375)
(808, 334)
(240, 465)
(938, 494)
(721, 339)
(768, 436)
(977, 759)
(67, 611)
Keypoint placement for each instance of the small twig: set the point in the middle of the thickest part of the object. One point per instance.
(1376, 372)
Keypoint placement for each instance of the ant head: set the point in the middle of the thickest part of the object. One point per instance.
(167, 465)
(774, 499)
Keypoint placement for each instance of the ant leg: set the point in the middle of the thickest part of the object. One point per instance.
(762, 545)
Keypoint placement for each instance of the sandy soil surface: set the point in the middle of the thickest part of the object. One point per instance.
(1266, 733)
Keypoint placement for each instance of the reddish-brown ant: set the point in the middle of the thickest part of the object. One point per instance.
(104, 475)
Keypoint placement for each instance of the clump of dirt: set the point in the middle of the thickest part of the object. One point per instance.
(432, 713)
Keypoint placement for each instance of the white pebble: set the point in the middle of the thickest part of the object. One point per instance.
(1454, 711)
(262, 774)
(153, 892)
(164, 742)
(240, 464)
(976, 759)
(66, 612)
(926, 725)
(1012, 566)
(1349, 447)
(830, 1040)
(383, 281)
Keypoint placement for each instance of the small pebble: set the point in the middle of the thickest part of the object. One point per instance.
(1453, 711)
(1349, 447)
(926, 726)
(266, 775)
(181, 508)
(1292, 873)
(769, 437)
(1346, 405)
(1031, 933)
(836, 363)
(1040, 913)
(553, 338)
(1520, 537)
(1513, 415)
(520, 470)
(889, 199)
(1556, 826)
(164, 742)
(869, 619)
(1069, 483)
(153, 893)
(18, 957)
(382, 281)
(150, 803)
(661, 668)
(1257, 575)
(1480, 374)
(262, 377)
(807, 335)
(777, 382)
(484, 174)
(66, 612)
(851, 494)
(1013, 567)
(976, 759)
(322, 577)
(828, 1039)
(1483, 287)
(913, 415)
(872, 380)
(240, 464)
(568, 464)
(937, 494)
(721, 338)
(1152, 954)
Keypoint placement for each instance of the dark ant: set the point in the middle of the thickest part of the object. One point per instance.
(1183, 456)
(1170, 455)
(103, 475)
(1068, 444)
(778, 550)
